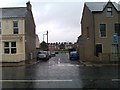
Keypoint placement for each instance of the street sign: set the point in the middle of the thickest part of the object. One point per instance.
(115, 38)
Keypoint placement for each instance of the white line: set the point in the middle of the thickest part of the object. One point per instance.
(59, 61)
(89, 65)
(35, 80)
(71, 65)
(116, 80)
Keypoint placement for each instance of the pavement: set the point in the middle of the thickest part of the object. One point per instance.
(99, 64)
(16, 64)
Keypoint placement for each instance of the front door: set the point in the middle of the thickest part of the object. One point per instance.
(98, 49)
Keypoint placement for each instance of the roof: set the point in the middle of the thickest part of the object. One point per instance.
(15, 12)
(99, 6)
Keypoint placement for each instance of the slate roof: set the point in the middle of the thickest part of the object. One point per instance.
(15, 12)
(99, 6)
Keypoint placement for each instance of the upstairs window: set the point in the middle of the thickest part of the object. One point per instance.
(109, 11)
(117, 28)
(15, 27)
(102, 30)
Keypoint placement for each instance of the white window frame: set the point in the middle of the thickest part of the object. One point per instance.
(109, 10)
(15, 27)
(100, 31)
(10, 47)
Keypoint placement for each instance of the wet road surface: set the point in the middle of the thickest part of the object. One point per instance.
(60, 72)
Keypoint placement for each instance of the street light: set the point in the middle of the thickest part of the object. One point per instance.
(43, 36)
(47, 36)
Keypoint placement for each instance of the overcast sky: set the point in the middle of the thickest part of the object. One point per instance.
(60, 17)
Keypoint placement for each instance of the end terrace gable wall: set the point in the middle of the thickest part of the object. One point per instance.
(30, 37)
(87, 21)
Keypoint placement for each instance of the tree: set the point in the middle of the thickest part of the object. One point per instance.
(62, 46)
(44, 46)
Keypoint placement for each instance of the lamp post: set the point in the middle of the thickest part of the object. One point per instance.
(43, 36)
(47, 36)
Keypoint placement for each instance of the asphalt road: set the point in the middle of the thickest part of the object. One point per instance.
(60, 72)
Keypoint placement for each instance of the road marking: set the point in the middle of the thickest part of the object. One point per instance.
(59, 61)
(71, 65)
(116, 80)
(35, 80)
(89, 65)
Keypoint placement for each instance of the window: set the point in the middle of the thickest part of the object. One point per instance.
(10, 48)
(103, 30)
(13, 44)
(6, 44)
(15, 23)
(15, 30)
(13, 47)
(15, 27)
(109, 11)
(117, 29)
(0, 27)
(6, 47)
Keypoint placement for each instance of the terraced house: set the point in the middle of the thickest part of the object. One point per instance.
(99, 24)
(17, 34)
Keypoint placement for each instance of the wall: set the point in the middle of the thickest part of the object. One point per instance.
(87, 48)
(30, 45)
(101, 18)
(7, 35)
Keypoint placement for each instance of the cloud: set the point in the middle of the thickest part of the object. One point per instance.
(60, 17)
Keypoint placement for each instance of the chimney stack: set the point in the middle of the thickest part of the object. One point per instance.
(29, 6)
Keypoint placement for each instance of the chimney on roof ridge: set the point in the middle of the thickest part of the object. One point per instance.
(29, 6)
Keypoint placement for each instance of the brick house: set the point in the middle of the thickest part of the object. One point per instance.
(17, 34)
(100, 21)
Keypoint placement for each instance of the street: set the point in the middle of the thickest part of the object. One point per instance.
(60, 72)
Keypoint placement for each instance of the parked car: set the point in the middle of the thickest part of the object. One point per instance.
(53, 54)
(49, 54)
(42, 55)
(74, 55)
(56, 52)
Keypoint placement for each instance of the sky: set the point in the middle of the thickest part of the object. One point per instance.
(60, 17)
